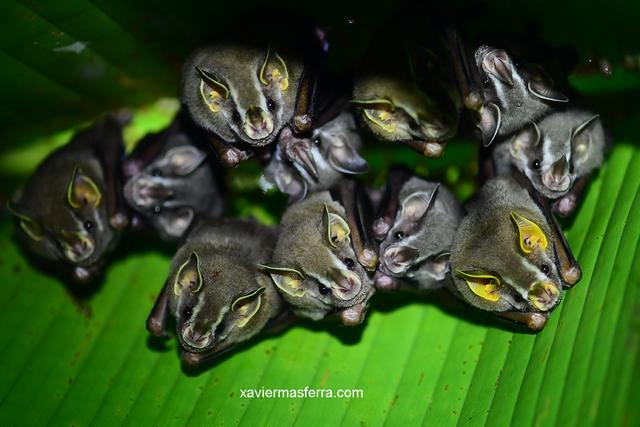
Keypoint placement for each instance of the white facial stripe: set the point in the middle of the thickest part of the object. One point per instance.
(199, 305)
(257, 85)
(547, 159)
(234, 95)
(323, 280)
(501, 88)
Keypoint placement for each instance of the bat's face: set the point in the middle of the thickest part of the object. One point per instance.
(171, 189)
(503, 259)
(559, 149)
(418, 244)
(216, 302)
(398, 111)
(513, 95)
(315, 266)
(316, 163)
(241, 93)
(67, 220)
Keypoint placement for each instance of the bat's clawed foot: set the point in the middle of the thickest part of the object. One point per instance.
(156, 326)
(368, 258)
(232, 157)
(566, 205)
(302, 123)
(571, 275)
(353, 315)
(381, 227)
(119, 221)
(384, 282)
(191, 359)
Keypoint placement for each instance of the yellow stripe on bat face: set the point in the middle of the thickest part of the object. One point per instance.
(485, 286)
(530, 236)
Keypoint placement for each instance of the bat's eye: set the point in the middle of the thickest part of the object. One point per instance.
(399, 235)
(271, 105)
(236, 116)
(349, 263)
(156, 172)
(186, 313)
(88, 225)
(323, 289)
(535, 164)
(316, 140)
(545, 269)
(157, 209)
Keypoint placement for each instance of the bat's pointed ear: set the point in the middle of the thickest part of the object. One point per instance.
(82, 190)
(246, 306)
(530, 235)
(337, 229)
(485, 286)
(274, 70)
(528, 137)
(344, 158)
(488, 121)
(188, 276)
(417, 204)
(208, 79)
(288, 280)
(184, 159)
(581, 138)
(213, 92)
(546, 92)
(176, 222)
(439, 267)
(498, 64)
(28, 224)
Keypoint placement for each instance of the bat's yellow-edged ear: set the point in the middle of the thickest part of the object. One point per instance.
(82, 190)
(379, 112)
(274, 70)
(485, 286)
(530, 236)
(288, 280)
(337, 229)
(247, 306)
(213, 92)
(189, 276)
(28, 224)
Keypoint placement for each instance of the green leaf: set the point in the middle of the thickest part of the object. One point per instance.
(69, 362)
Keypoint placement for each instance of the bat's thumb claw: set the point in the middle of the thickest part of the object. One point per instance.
(119, 221)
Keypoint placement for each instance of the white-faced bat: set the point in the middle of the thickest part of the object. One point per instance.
(216, 291)
(306, 164)
(241, 95)
(509, 256)
(414, 104)
(323, 258)
(70, 209)
(557, 154)
(417, 224)
(502, 95)
(172, 181)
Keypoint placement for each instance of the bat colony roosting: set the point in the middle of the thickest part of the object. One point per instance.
(338, 241)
